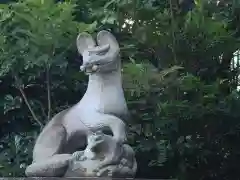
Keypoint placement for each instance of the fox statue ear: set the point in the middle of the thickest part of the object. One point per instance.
(85, 41)
(105, 38)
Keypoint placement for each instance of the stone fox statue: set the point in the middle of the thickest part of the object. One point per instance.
(102, 107)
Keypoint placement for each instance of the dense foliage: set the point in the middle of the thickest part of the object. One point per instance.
(180, 79)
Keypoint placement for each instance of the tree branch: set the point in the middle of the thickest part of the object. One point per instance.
(27, 102)
(48, 92)
(173, 32)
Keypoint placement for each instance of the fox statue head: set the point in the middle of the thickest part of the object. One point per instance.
(101, 56)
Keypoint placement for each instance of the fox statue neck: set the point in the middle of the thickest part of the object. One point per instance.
(105, 94)
(99, 81)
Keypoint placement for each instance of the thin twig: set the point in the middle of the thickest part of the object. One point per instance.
(173, 38)
(27, 102)
(48, 92)
(42, 109)
(173, 32)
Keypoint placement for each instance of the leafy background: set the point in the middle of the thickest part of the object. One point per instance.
(180, 80)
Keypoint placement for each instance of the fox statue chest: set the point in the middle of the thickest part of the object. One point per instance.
(104, 95)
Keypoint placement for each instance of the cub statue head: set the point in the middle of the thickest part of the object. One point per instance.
(95, 139)
(100, 58)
